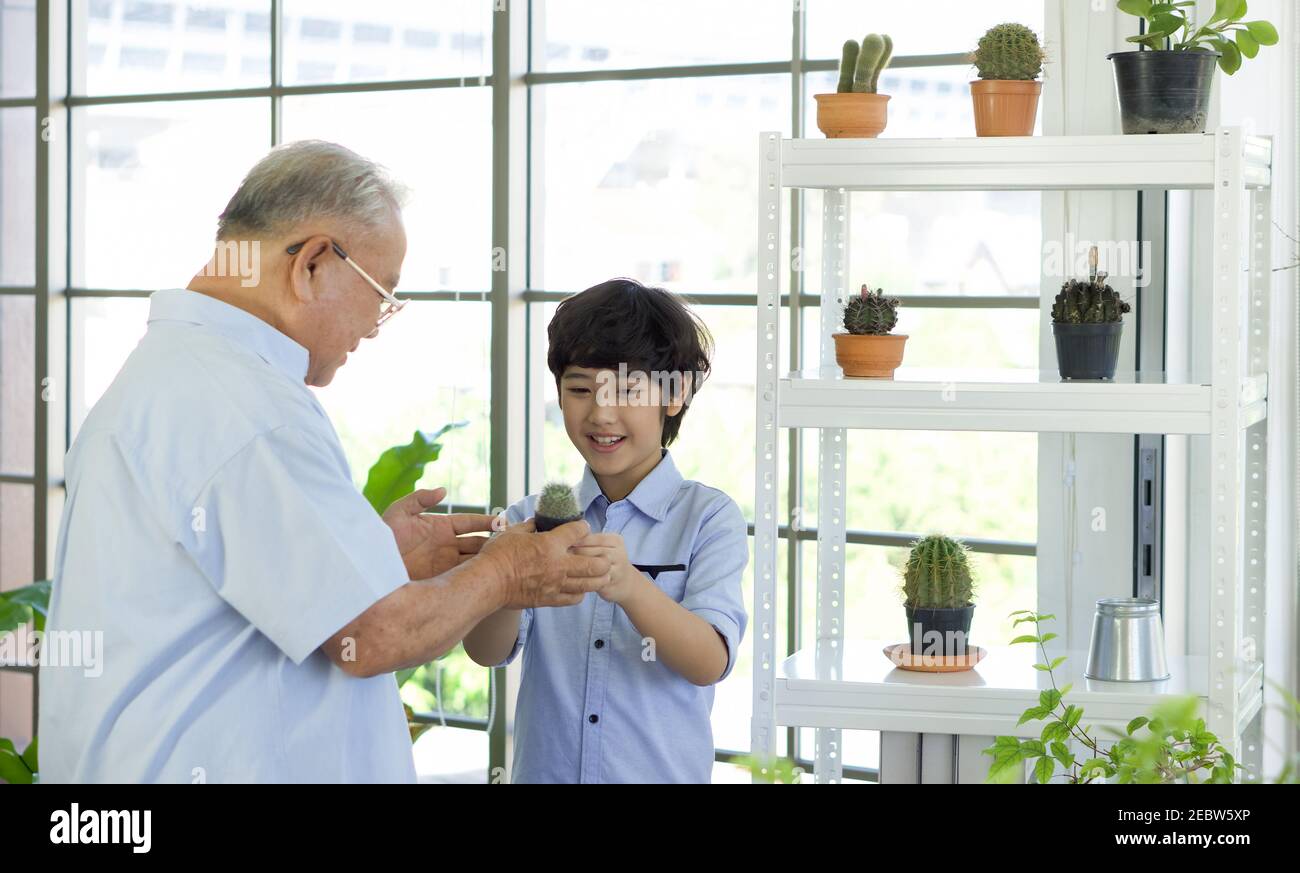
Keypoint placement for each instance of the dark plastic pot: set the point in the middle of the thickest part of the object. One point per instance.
(545, 522)
(1164, 91)
(1087, 351)
(951, 625)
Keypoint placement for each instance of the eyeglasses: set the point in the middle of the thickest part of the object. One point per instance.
(391, 304)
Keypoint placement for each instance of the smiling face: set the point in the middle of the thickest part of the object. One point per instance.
(617, 426)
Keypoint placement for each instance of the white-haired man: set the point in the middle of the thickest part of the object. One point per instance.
(251, 603)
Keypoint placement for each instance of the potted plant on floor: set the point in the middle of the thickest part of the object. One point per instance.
(1009, 59)
(868, 348)
(555, 506)
(938, 592)
(855, 109)
(1168, 90)
(1087, 320)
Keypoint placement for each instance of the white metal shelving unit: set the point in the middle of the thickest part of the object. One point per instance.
(835, 683)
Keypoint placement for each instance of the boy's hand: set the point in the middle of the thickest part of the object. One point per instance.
(623, 577)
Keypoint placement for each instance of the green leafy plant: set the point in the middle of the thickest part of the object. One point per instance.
(860, 65)
(1224, 32)
(870, 313)
(937, 574)
(21, 605)
(17, 607)
(1170, 746)
(1008, 51)
(1090, 302)
(394, 474)
(781, 771)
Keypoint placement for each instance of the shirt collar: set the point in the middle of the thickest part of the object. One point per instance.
(652, 495)
(246, 329)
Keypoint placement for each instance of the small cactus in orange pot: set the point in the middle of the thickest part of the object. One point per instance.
(867, 348)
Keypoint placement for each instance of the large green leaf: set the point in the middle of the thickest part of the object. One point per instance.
(1263, 32)
(12, 615)
(12, 767)
(34, 597)
(394, 475)
(29, 756)
(1140, 8)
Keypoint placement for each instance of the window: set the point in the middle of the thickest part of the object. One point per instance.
(639, 152)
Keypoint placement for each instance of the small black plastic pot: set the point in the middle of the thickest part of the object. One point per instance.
(545, 522)
(1087, 351)
(1164, 91)
(952, 627)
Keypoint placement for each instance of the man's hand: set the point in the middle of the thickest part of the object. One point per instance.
(623, 577)
(538, 569)
(431, 544)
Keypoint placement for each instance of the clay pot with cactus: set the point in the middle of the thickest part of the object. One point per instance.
(1087, 321)
(856, 109)
(867, 348)
(1009, 60)
(556, 505)
(938, 595)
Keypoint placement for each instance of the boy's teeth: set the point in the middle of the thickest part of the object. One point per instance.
(606, 441)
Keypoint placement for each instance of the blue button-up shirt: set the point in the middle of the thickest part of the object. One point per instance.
(213, 536)
(595, 704)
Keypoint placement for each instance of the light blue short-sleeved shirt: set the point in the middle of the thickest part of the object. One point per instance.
(213, 535)
(593, 705)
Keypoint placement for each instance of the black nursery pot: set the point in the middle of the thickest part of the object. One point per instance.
(545, 522)
(952, 625)
(1087, 351)
(1164, 91)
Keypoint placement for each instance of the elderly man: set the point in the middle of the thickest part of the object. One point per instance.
(252, 604)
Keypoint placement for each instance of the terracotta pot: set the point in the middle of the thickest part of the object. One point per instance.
(868, 355)
(1005, 107)
(851, 115)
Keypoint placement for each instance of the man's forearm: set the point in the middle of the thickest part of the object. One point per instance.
(424, 619)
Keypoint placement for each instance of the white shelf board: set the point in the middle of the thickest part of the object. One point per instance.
(1178, 161)
(856, 687)
(993, 400)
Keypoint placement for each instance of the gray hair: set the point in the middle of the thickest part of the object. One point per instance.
(309, 179)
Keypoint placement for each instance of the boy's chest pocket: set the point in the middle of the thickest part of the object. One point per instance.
(671, 578)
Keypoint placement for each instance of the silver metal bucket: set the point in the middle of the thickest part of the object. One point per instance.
(1128, 641)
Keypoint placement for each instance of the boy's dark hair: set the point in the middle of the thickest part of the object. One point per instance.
(624, 322)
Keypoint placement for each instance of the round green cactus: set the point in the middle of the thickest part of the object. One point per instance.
(1008, 51)
(556, 506)
(870, 313)
(1090, 302)
(938, 574)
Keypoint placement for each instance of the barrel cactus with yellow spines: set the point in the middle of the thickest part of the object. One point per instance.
(938, 596)
(938, 574)
(1009, 52)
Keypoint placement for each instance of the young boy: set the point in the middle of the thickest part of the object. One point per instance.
(619, 687)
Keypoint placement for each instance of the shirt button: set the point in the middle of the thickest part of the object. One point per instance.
(600, 644)
(593, 718)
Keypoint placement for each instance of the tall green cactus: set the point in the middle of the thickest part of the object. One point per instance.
(848, 61)
(860, 65)
(885, 57)
(1008, 51)
(870, 313)
(937, 575)
(1090, 302)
